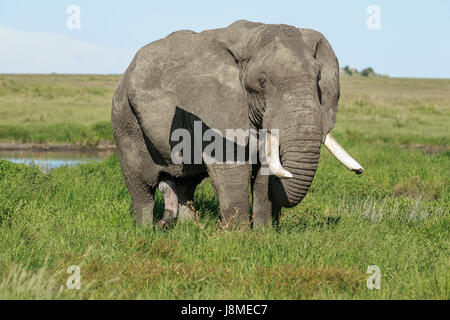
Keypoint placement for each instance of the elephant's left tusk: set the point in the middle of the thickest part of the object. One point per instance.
(341, 155)
(273, 157)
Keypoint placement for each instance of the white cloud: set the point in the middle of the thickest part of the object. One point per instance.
(43, 52)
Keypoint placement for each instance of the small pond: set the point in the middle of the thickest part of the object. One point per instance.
(51, 160)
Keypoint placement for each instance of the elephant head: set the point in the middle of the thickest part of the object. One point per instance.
(292, 81)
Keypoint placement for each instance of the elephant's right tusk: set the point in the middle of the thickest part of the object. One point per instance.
(273, 157)
(341, 155)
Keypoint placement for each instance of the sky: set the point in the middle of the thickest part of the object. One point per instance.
(398, 38)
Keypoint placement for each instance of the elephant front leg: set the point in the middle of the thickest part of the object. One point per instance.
(230, 183)
(262, 205)
(265, 212)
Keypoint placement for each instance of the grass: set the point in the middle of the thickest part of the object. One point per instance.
(395, 111)
(76, 108)
(395, 216)
(70, 133)
(56, 108)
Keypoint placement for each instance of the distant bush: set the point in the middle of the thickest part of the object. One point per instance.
(367, 72)
(347, 70)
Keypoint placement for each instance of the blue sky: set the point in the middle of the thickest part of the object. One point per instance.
(413, 39)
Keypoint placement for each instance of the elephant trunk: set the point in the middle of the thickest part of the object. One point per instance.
(300, 143)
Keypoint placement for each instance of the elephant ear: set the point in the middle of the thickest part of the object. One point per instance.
(328, 82)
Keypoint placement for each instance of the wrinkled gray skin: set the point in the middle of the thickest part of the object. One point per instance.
(247, 75)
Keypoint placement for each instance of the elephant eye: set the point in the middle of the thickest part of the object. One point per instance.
(262, 82)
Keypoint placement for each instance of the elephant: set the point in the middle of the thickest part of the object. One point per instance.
(245, 76)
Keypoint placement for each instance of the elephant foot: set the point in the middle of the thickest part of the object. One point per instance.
(167, 188)
(185, 213)
(165, 224)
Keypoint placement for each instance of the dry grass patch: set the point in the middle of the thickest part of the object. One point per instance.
(415, 188)
(293, 282)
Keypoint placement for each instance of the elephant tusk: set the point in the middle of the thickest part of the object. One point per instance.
(273, 157)
(341, 155)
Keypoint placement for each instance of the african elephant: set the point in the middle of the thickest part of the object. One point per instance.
(245, 76)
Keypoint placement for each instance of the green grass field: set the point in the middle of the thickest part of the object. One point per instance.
(395, 215)
(56, 108)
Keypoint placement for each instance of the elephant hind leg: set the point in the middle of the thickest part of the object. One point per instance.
(178, 200)
(143, 203)
(140, 175)
(185, 191)
(168, 190)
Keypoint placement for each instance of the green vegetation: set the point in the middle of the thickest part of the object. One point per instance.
(59, 132)
(397, 112)
(395, 216)
(348, 71)
(56, 108)
(366, 72)
(76, 108)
